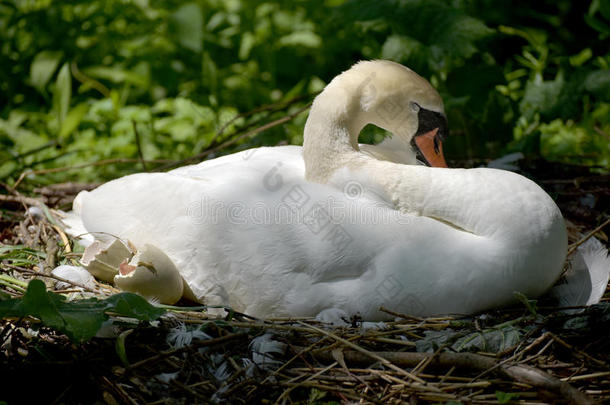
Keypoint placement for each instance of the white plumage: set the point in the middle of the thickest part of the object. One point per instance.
(247, 230)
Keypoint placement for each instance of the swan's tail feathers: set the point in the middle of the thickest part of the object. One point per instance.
(586, 280)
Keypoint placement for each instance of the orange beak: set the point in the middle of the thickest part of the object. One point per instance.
(431, 147)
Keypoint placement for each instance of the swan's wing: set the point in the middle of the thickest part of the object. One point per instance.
(586, 281)
(221, 220)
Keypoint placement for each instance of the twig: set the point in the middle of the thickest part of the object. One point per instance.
(587, 237)
(399, 315)
(601, 132)
(270, 107)
(139, 145)
(372, 355)
(32, 151)
(518, 372)
(81, 166)
(575, 350)
(20, 199)
(86, 80)
(233, 141)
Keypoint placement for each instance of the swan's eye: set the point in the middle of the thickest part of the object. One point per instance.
(414, 106)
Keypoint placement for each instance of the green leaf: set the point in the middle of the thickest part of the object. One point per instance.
(133, 306)
(73, 119)
(119, 347)
(506, 397)
(540, 96)
(188, 25)
(604, 8)
(116, 75)
(306, 39)
(79, 320)
(598, 83)
(62, 92)
(42, 68)
(400, 48)
(492, 340)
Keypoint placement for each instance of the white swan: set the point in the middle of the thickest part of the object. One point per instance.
(247, 230)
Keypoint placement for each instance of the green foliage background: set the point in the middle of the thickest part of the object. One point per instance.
(77, 76)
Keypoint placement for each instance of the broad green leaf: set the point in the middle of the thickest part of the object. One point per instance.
(80, 319)
(188, 25)
(540, 96)
(581, 58)
(73, 119)
(598, 83)
(301, 38)
(247, 42)
(62, 92)
(209, 72)
(42, 68)
(116, 75)
(401, 48)
(133, 306)
(489, 340)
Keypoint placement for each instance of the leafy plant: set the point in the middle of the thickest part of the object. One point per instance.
(96, 81)
(80, 320)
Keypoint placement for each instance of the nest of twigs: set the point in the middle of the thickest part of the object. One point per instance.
(529, 354)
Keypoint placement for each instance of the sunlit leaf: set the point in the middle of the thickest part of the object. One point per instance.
(62, 92)
(116, 75)
(43, 67)
(301, 38)
(188, 24)
(73, 119)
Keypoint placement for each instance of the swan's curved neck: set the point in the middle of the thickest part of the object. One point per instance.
(330, 137)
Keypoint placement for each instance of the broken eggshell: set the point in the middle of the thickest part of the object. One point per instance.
(102, 259)
(151, 274)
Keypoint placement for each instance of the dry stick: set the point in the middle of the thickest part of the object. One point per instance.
(372, 355)
(535, 343)
(587, 376)
(78, 75)
(270, 107)
(20, 199)
(32, 151)
(601, 132)
(575, 350)
(399, 315)
(139, 145)
(518, 372)
(587, 237)
(301, 383)
(81, 166)
(235, 140)
(64, 238)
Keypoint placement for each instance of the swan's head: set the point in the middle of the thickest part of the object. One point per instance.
(393, 97)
